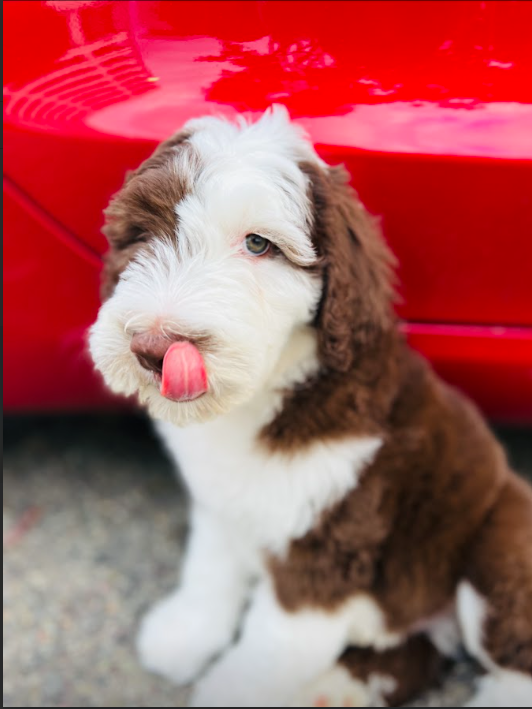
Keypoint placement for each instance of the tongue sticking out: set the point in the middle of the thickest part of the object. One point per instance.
(184, 377)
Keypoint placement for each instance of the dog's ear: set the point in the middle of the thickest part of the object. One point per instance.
(355, 310)
(144, 207)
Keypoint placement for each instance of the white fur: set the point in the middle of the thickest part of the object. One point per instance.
(338, 688)
(222, 298)
(500, 688)
(503, 689)
(367, 624)
(184, 631)
(472, 611)
(278, 653)
(246, 502)
(444, 633)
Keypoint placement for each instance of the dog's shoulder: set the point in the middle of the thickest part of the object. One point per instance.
(401, 533)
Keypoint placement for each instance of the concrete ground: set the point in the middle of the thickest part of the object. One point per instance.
(93, 530)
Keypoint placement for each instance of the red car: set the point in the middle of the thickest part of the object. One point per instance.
(428, 103)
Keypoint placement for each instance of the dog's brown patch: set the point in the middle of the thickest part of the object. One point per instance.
(413, 666)
(145, 206)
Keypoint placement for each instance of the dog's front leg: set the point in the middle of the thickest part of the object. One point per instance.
(184, 631)
(277, 654)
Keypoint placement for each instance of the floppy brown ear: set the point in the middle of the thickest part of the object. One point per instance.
(355, 311)
(144, 207)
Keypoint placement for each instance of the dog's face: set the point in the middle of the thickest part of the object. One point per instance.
(210, 244)
(227, 241)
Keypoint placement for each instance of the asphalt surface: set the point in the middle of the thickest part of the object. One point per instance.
(94, 524)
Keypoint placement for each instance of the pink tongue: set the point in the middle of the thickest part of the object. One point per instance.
(184, 376)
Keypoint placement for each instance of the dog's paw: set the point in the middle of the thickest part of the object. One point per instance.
(337, 688)
(173, 640)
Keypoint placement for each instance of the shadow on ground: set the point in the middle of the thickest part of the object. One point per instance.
(94, 525)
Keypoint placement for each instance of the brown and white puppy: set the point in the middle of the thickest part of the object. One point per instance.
(356, 506)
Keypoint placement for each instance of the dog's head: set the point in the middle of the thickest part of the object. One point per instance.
(226, 245)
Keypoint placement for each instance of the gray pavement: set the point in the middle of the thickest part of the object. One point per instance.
(94, 524)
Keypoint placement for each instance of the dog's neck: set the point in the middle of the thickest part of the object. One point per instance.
(298, 361)
(330, 405)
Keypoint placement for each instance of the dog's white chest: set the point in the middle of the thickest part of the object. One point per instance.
(268, 498)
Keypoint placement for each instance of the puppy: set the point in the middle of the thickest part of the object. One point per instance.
(357, 508)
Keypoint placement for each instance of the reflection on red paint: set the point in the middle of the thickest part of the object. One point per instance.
(85, 79)
(321, 59)
(428, 103)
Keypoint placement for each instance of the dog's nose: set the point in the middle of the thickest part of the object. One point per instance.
(149, 348)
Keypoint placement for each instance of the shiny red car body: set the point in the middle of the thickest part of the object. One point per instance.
(429, 104)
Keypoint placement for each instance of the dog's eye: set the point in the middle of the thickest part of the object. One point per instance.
(257, 245)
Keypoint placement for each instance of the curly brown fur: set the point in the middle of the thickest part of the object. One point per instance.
(413, 667)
